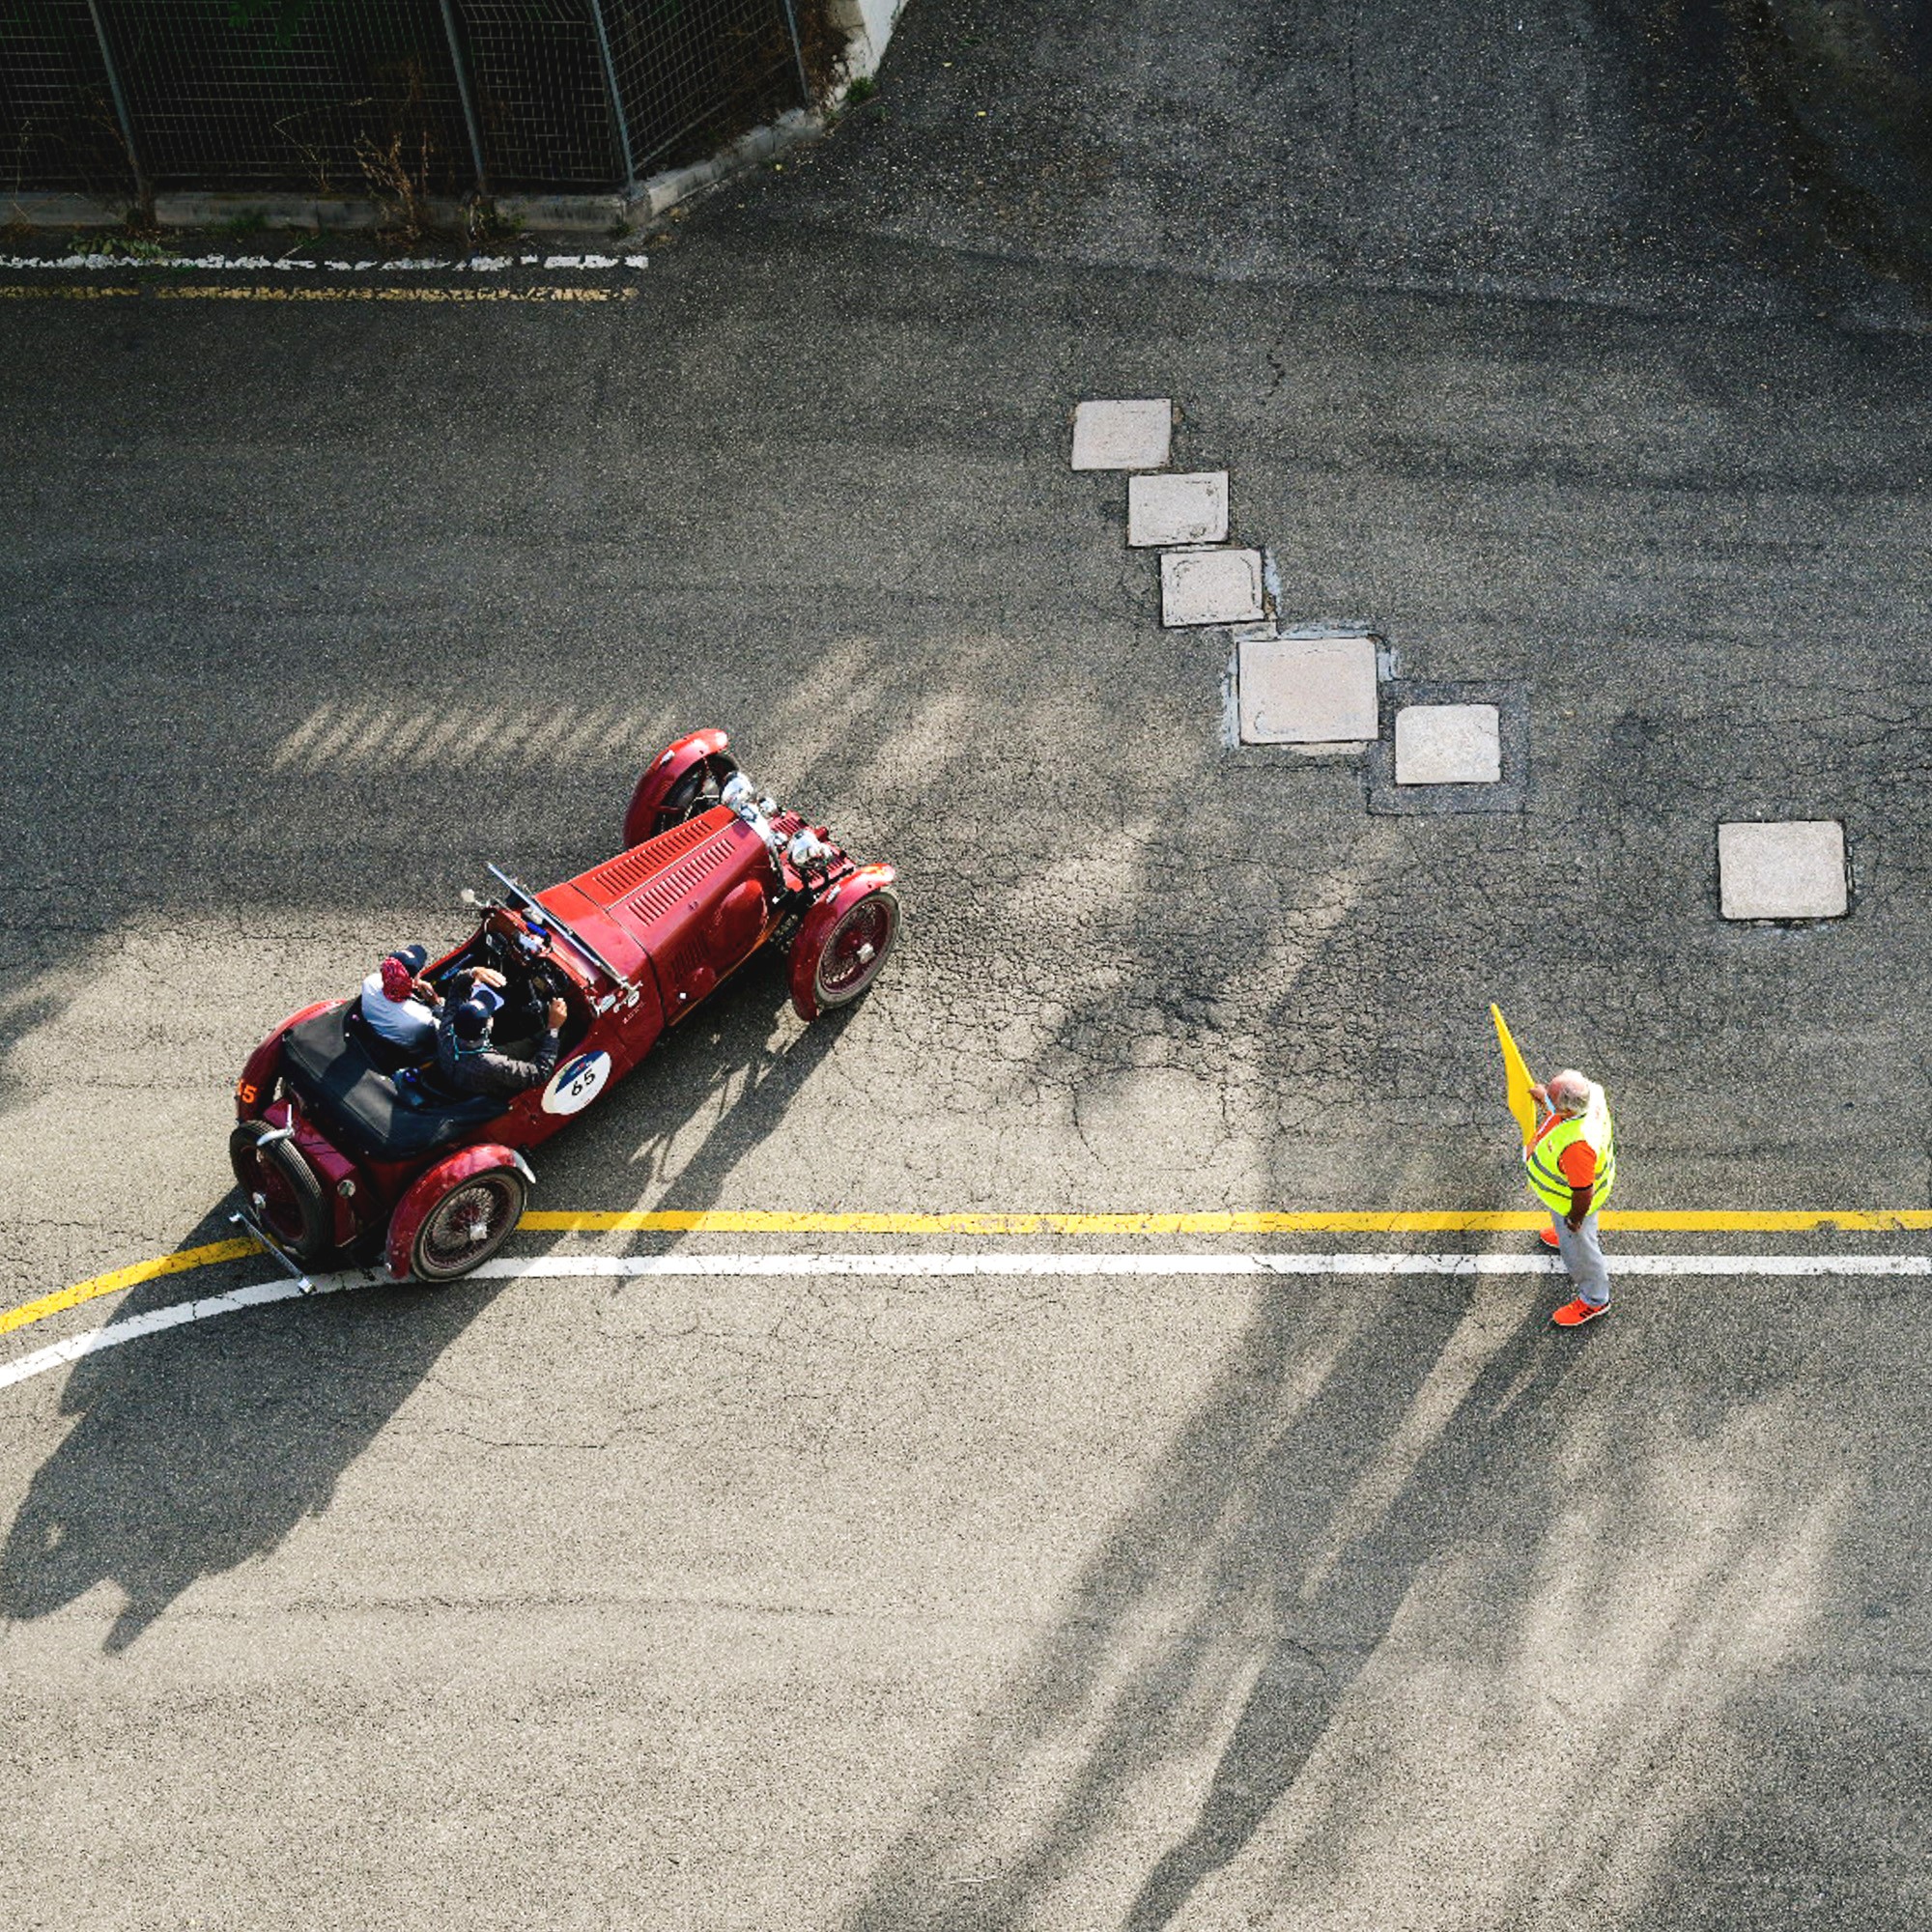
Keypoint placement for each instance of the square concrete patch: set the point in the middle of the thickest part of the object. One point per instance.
(1793, 869)
(1210, 586)
(1400, 794)
(1122, 436)
(1177, 509)
(1308, 690)
(1448, 744)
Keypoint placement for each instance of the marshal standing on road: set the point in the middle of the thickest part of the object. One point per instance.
(1571, 1164)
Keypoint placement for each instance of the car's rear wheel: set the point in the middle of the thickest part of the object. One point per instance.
(469, 1225)
(283, 1192)
(855, 949)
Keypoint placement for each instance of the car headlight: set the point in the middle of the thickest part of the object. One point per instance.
(808, 848)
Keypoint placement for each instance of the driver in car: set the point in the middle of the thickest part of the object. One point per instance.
(468, 1064)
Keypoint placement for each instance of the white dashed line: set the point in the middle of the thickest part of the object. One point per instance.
(481, 264)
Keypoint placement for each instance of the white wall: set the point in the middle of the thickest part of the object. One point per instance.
(870, 23)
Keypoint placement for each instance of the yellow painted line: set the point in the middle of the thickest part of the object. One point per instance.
(60, 292)
(255, 292)
(767, 1221)
(1501, 1221)
(180, 1262)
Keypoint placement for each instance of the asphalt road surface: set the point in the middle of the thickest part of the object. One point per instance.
(877, 1602)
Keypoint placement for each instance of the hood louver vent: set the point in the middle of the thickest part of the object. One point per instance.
(609, 883)
(672, 886)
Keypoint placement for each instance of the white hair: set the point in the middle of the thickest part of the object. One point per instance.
(1568, 1092)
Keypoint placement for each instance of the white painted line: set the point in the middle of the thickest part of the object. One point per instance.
(481, 264)
(917, 1266)
(935, 1266)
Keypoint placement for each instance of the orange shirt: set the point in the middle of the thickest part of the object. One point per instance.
(1578, 1161)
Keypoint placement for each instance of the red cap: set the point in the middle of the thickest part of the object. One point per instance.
(398, 981)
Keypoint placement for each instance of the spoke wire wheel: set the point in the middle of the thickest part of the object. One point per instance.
(468, 1225)
(856, 947)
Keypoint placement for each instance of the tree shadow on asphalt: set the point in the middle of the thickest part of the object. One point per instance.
(1335, 1616)
(1424, 1591)
(1316, 1408)
(195, 1452)
(1350, 1450)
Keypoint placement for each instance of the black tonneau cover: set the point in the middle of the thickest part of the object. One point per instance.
(357, 1105)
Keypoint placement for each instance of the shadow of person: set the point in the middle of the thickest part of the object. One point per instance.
(1504, 1417)
(199, 1448)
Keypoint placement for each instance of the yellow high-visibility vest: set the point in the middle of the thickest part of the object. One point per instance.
(1547, 1179)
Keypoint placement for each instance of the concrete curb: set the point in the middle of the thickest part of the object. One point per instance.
(608, 214)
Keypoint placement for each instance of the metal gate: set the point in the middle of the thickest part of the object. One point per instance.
(332, 97)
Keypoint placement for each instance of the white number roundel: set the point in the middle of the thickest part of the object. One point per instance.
(577, 1083)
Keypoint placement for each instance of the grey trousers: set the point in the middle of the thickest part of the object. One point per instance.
(1583, 1255)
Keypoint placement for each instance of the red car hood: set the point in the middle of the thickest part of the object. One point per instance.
(642, 900)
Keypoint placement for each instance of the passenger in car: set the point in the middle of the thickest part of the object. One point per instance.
(400, 1007)
(465, 1062)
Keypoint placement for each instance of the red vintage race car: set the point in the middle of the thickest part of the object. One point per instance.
(347, 1146)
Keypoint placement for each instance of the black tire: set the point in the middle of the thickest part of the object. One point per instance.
(283, 1192)
(469, 1225)
(698, 790)
(840, 975)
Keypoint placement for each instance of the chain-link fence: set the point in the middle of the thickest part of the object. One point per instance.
(58, 128)
(543, 93)
(412, 97)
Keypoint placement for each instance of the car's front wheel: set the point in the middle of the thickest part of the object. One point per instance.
(841, 950)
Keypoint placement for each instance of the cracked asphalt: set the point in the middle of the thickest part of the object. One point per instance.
(879, 1606)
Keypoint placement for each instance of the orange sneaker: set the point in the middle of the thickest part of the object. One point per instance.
(1548, 1237)
(1574, 1314)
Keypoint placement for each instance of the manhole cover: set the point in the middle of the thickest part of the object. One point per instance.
(1448, 744)
(1122, 436)
(1210, 586)
(1177, 509)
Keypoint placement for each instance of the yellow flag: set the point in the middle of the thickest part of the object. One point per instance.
(1517, 1080)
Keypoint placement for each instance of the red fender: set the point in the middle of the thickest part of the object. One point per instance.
(256, 1087)
(664, 772)
(430, 1186)
(819, 921)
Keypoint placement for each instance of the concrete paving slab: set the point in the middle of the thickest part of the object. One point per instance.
(1308, 690)
(1789, 868)
(1123, 434)
(1504, 789)
(1190, 509)
(1210, 586)
(1448, 744)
